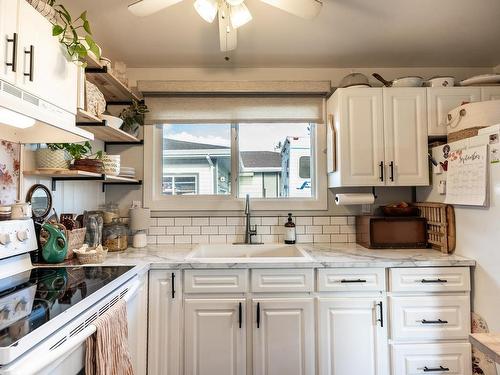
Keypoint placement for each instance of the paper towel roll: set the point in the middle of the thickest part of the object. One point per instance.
(354, 198)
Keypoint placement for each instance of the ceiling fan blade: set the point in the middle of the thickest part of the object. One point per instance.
(227, 34)
(302, 8)
(143, 8)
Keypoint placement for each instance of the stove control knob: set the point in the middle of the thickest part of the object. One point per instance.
(22, 235)
(4, 238)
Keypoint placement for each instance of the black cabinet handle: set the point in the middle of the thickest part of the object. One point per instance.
(173, 285)
(435, 369)
(30, 52)
(13, 63)
(439, 321)
(258, 315)
(381, 165)
(347, 281)
(240, 314)
(381, 311)
(433, 281)
(391, 165)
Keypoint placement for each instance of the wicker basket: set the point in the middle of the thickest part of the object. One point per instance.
(92, 258)
(464, 133)
(52, 159)
(75, 240)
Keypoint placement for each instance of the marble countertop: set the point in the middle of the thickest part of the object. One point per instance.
(322, 256)
(488, 343)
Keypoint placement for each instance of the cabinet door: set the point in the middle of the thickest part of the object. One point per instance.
(215, 337)
(360, 126)
(490, 93)
(283, 336)
(165, 302)
(53, 78)
(441, 100)
(9, 41)
(137, 311)
(352, 339)
(405, 136)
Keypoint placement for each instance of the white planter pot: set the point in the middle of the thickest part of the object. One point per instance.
(47, 159)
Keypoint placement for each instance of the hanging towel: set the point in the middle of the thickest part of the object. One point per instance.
(107, 349)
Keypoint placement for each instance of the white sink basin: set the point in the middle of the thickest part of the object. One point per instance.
(245, 253)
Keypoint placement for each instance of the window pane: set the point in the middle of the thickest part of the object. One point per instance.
(270, 160)
(196, 159)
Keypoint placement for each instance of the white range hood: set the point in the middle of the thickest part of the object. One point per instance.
(52, 124)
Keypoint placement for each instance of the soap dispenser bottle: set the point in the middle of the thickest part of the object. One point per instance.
(290, 234)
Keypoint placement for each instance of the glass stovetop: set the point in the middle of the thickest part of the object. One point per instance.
(31, 298)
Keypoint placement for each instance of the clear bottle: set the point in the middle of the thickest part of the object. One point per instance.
(290, 234)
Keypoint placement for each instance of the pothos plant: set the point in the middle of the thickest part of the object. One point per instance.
(68, 31)
(77, 151)
(133, 115)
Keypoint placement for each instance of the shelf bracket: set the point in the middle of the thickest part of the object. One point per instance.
(119, 143)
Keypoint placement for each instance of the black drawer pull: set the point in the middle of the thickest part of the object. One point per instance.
(381, 165)
(426, 281)
(258, 315)
(30, 52)
(391, 165)
(13, 63)
(381, 311)
(173, 285)
(439, 321)
(435, 369)
(347, 281)
(240, 314)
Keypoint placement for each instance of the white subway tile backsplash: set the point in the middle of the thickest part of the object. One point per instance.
(217, 221)
(270, 229)
(166, 221)
(175, 230)
(209, 230)
(201, 221)
(270, 220)
(182, 221)
(321, 220)
(192, 230)
(303, 220)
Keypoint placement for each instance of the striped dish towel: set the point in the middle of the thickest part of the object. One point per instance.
(107, 350)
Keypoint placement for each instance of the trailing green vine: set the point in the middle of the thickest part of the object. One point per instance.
(68, 31)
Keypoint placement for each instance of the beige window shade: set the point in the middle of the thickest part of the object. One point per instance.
(216, 109)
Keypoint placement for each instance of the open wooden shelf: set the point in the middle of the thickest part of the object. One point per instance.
(84, 116)
(61, 173)
(92, 62)
(101, 130)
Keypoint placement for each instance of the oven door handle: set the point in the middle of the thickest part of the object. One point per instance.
(132, 290)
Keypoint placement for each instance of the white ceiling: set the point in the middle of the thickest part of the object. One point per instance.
(347, 33)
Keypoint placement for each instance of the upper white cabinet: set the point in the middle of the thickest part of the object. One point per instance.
(44, 68)
(490, 93)
(283, 336)
(215, 337)
(442, 100)
(352, 336)
(165, 302)
(378, 137)
(9, 40)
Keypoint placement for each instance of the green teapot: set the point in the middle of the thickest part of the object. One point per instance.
(56, 247)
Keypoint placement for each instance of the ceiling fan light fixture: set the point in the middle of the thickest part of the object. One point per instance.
(207, 9)
(240, 15)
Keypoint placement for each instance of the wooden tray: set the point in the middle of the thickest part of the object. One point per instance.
(440, 225)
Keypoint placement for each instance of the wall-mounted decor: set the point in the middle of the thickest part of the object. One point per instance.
(9, 172)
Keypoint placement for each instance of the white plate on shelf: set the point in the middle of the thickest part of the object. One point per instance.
(483, 79)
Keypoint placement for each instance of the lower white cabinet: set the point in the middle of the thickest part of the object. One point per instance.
(137, 314)
(215, 338)
(283, 336)
(352, 336)
(165, 303)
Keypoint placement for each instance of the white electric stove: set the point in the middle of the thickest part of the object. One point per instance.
(46, 312)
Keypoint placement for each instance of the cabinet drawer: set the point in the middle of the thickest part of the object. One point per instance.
(450, 359)
(351, 279)
(215, 281)
(430, 318)
(283, 280)
(432, 279)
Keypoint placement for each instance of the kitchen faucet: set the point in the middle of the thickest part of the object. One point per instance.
(249, 232)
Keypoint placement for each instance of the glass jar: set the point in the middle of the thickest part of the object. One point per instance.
(115, 236)
(110, 211)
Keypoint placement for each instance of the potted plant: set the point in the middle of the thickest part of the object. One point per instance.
(133, 117)
(68, 29)
(83, 157)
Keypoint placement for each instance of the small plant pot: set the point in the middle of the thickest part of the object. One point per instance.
(46, 158)
(132, 129)
(89, 165)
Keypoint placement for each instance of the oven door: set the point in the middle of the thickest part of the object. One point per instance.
(69, 358)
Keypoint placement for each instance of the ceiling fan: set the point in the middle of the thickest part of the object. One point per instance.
(232, 14)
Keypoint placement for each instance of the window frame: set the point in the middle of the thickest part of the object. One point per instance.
(174, 177)
(153, 173)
